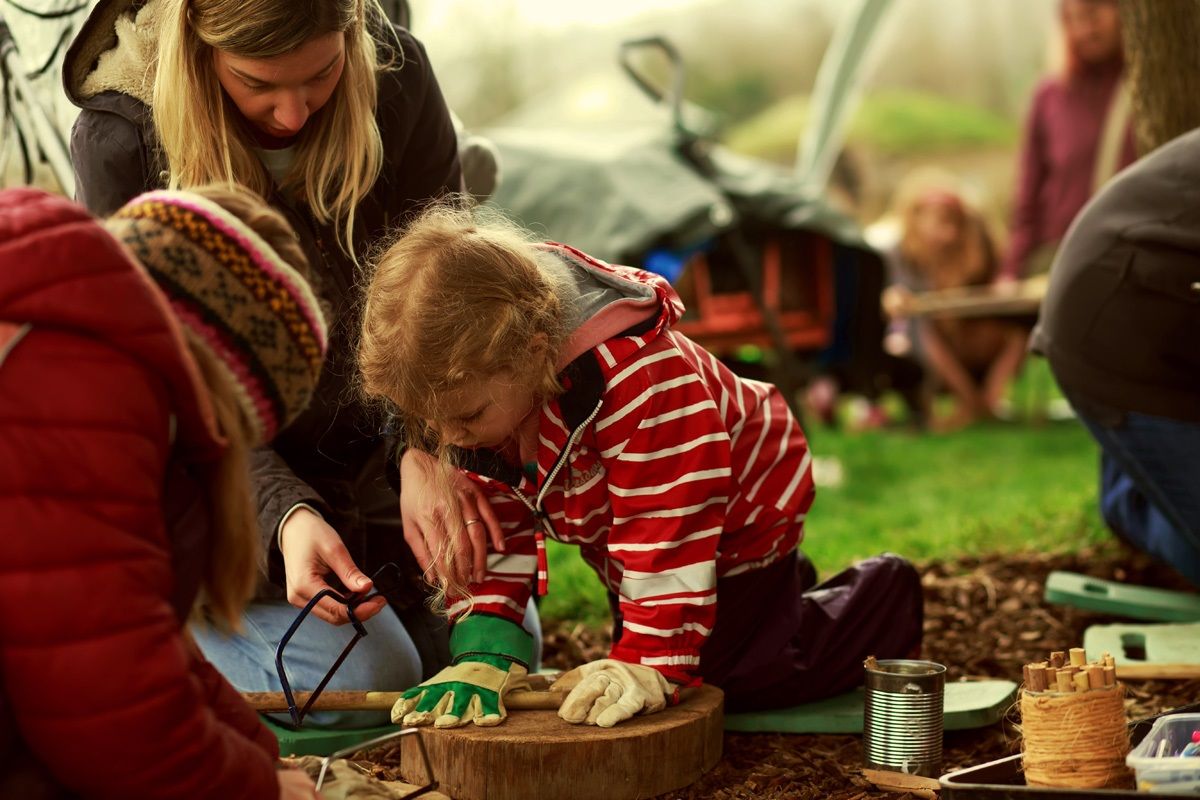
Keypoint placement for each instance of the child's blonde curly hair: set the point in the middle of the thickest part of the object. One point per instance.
(460, 296)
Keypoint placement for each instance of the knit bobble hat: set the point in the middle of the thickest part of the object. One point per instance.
(255, 312)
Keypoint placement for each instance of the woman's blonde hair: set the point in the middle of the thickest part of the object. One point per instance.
(339, 152)
(235, 557)
(460, 296)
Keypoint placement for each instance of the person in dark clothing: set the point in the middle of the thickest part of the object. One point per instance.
(1077, 135)
(1120, 327)
(334, 116)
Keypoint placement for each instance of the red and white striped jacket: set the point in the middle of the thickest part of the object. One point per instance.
(666, 469)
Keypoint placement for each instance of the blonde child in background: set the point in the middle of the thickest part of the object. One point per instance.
(944, 243)
(555, 383)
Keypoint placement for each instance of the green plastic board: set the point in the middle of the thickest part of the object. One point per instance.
(970, 704)
(1145, 643)
(1110, 597)
(320, 741)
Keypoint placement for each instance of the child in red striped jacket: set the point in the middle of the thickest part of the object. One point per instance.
(555, 382)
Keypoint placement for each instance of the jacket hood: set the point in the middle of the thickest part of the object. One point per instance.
(114, 51)
(60, 269)
(609, 300)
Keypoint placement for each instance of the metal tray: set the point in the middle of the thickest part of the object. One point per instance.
(1004, 780)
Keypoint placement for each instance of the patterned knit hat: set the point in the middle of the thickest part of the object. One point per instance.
(253, 310)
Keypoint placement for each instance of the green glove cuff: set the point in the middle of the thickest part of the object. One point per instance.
(487, 635)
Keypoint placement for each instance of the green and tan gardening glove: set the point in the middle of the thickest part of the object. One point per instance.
(490, 659)
(608, 691)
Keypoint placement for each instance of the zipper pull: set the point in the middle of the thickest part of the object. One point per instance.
(543, 574)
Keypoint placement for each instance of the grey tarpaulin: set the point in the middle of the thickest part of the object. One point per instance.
(617, 173)
(620, 181)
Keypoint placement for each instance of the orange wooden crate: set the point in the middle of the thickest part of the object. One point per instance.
(797, 278)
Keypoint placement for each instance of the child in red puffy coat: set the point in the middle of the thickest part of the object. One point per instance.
(140, 359)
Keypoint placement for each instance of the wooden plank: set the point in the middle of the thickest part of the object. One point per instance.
(899, 781)
(1156, 672)
(1019, 298)
(536, 754)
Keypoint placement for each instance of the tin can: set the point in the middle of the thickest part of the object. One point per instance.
(902, 728)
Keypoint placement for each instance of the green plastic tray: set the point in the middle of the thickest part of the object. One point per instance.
(1145, 643)
(971, 704)
(1117, 599)
(320, 741)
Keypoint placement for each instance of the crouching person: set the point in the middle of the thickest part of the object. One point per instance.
(140, 359)
(555, 382)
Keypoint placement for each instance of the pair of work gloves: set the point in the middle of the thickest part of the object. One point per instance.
(491, 658)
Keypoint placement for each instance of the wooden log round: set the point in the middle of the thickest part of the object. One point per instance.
(536, 754)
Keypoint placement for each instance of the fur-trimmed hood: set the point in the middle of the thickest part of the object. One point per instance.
(114, 51)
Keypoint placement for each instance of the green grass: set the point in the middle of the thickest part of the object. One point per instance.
(986, 489)
(890, 123)
(990, 488)
(575, 591)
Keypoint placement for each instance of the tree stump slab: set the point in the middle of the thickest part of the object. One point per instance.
(534, 754)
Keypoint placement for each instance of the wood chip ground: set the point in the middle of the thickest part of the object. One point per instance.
(984, 618)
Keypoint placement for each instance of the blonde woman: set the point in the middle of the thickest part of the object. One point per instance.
(127, 412)
(335, 116)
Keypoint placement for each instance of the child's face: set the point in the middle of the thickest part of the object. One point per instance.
(485, 413)
(1094, 29)
(937, 226)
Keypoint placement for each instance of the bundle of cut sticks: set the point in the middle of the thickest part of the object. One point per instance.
(1070, 672)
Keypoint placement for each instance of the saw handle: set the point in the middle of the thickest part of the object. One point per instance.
(275, 703)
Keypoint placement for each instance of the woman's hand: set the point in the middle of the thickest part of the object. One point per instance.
(429, 523)
(294, 784)
(311, 550)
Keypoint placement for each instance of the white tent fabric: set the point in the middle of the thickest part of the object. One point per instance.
(40, 32)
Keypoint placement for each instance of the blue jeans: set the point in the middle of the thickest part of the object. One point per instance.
(386, 660)
(1150, 486)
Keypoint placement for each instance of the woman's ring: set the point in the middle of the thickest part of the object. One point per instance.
(472, 521)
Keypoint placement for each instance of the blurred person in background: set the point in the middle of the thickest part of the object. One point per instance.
(944, 243)
(1077, 136)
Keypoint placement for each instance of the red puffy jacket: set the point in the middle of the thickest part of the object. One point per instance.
(103, 420)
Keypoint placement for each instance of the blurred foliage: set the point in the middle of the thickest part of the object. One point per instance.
(893, 123)
(734, 98)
